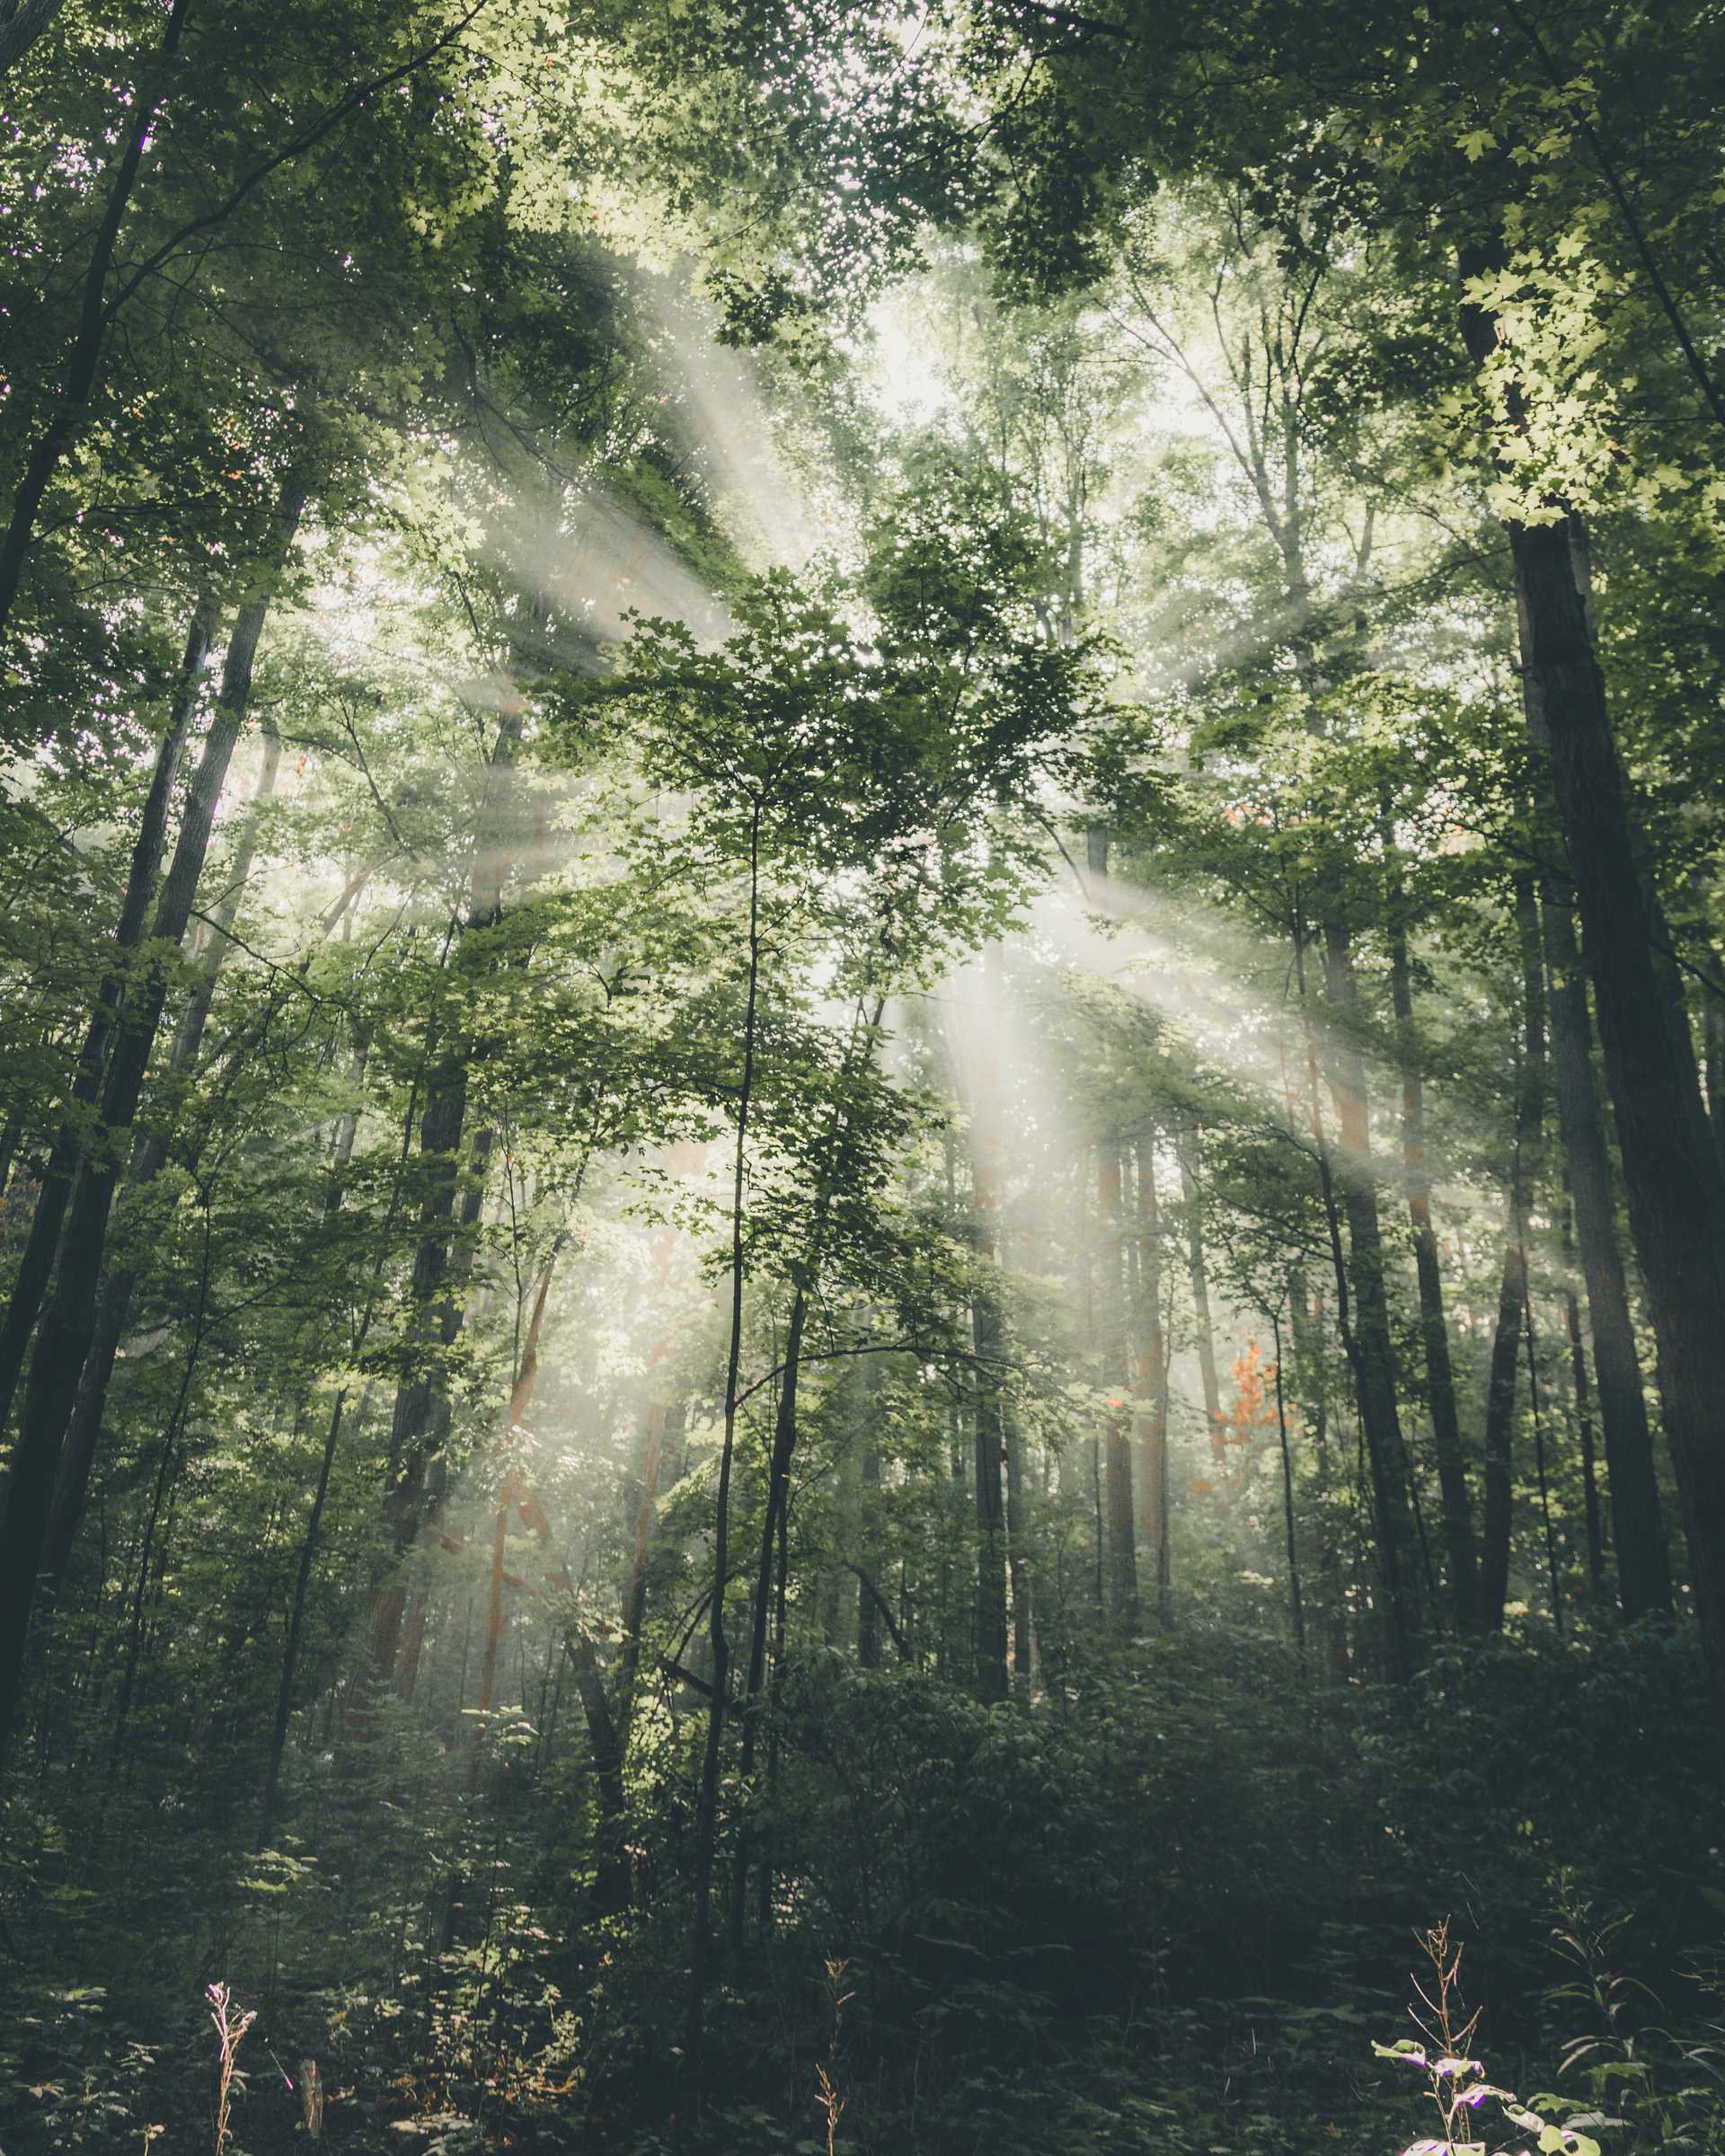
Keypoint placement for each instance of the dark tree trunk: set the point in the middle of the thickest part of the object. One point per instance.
(1512, 1288)
(1672, 1170)
(68, 1322)
(1459, 1549)
(1153, 1383)
(1200, 1279)
(868, 1598)
(21, 25)
(1121, 1527)
(83, 1433)
(1365, 1334)
(1643, 1566)
(71, 408)
(37, 1263)
(991, 1677)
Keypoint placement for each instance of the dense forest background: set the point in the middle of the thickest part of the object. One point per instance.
(863, 1115)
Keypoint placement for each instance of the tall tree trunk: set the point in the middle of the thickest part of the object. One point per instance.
(1638, 1529)
(36, 1265)
(868, 1599)
(1122, 1528)
(1593, 1511)
(989, 1430)
(1199, 1273)
(706, 1825)
(70, 408)
(419, 1421)
(1018, 1555)
(1296, 1606)
(84, 1432)
(1671, 1164)
(1461, 1554)
(1366, 1337)
(1512, 1286)
(650, 1458)
(64, 1337)
(1153, 1382)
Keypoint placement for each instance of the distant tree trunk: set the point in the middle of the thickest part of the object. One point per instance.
(1122, 1528)
(649, 1460)
(1306, 1314)
(68, 1322)
(718, 1641)
(1018, 1555)
(1462, 1557)
(868, 1598)
(1296, 1607)
(611, 1889)
(1598, 1586)
(1153, 1382)
(1366, 1337)
(1671, 1162)
(36, 1264)
(989, 1429)
(1213, 1423)
(296, 1623)
(1643, 1565)
(420, 1421)
(1512, 1288)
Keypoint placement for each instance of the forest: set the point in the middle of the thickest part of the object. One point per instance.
(862, 1077)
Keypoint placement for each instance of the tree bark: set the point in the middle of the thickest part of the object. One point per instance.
(1672, 1170)
(1366, 1336)
(1638, 1529)
(21, 23)
(1459, 1548)
(84, 1432)
(83, 370)
(1200, 1280)
(1121, 1529)
(68, 1322)
(36, 1264)
(1512, 1287)
(1153, 1382)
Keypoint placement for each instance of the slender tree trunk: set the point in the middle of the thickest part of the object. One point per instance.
(296, 1624)
(719, 1641)
(1018, 1555)
(84, 1432)
(37, 1263)
(1366, 1336)
(1671, 1164)
(1512, 1288)
(611, 1890)
(868, 1598)
(1121, 1531)
(1214, 1425)
(1597, 1583)
(1459, 1549)
(419, 1421)
(70, 410)
(648, 1467)
(1643, 1566)
(1296, 1606)
(1153, 1382)
(68, 1322)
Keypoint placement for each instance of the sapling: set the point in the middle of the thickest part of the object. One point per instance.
(1455, 2081)
(230, 2034)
